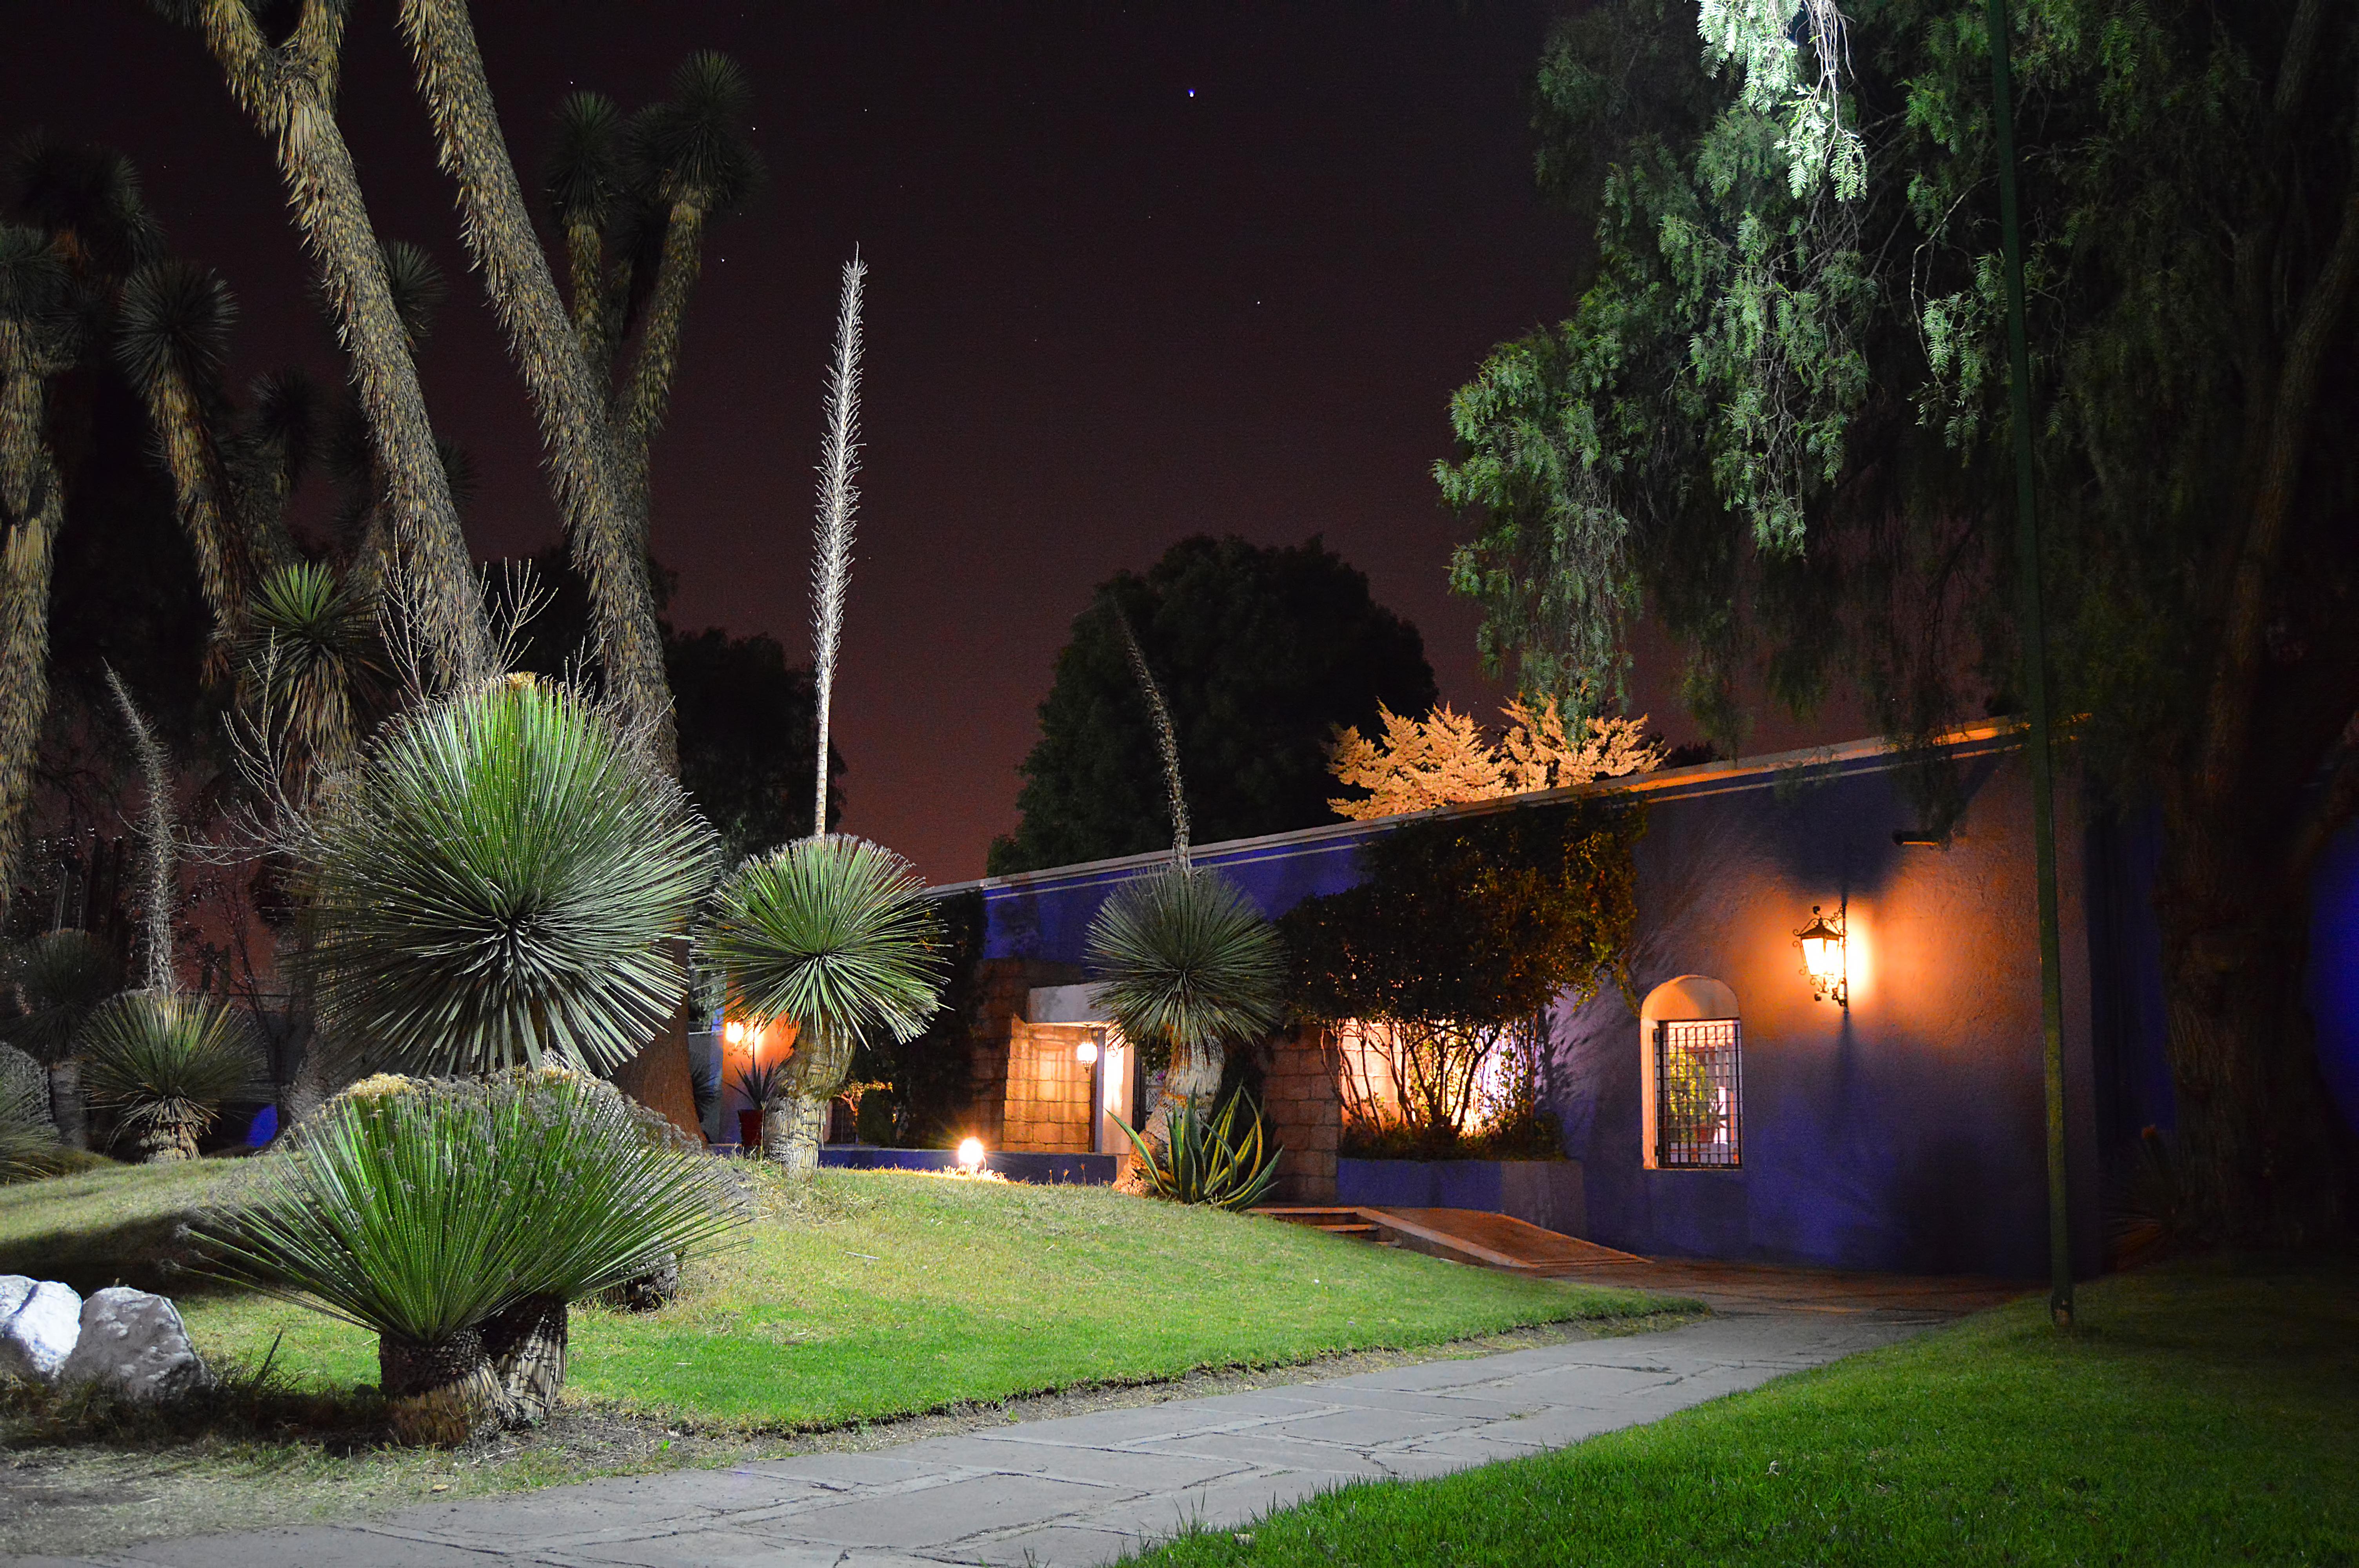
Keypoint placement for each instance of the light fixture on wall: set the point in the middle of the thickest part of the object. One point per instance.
(1086, 1053)
(733, 1032)
(1824, 957)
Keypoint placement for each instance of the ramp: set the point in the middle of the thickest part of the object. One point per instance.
(1474, 1236)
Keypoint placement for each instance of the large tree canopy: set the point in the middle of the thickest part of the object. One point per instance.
(1776, 423)
(1261, 652)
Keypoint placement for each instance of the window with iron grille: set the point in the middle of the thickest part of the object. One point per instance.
(1698, 1093)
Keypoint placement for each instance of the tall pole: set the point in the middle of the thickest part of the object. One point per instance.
(2034, 675)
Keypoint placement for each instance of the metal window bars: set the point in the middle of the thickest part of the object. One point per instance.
(1698, 1093)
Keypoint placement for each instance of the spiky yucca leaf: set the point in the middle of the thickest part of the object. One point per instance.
(419, 1209)
(166, 1062)
(419, 288)
(174, 321)
(28, 1139)
(584, 172)
(311, 659)
(692, 145)
(1211, 1162)
(836, 934)
(500, 881)
(1185, 959)
(59, 978)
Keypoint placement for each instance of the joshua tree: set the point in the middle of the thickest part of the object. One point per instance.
(288, 88)
(1189, 966)
(500, 881)
(594, 482)
(838, 934)
(32, 504)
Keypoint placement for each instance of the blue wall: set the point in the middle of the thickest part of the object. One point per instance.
(1905, 1134)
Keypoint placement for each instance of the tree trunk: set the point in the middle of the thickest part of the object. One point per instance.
(2256, 1148)
(32, 506)
(526, 1344)
(65, 1104)
(439, 1396)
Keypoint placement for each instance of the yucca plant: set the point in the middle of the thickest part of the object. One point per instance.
(1187, 967)
(1210, 1160)
(28, 1139)
(312, 664)
(456, 1219)
(165, 1063)
(59, 978)
(838, 934)
(500, 882)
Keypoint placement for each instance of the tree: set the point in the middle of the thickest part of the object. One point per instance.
(1263, 653)
(1776, 422)
(1444, 759)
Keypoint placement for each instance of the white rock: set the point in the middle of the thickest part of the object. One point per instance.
(41, 1333)
(14, 1288)
(135, 1342)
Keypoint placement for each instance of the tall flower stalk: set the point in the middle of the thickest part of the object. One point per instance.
(839, 501)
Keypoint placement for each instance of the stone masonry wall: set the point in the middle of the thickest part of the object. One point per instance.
(1004, 986)
(1305, 1113)
(1048, 1106)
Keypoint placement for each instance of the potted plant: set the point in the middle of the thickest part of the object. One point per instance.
(757, 1081)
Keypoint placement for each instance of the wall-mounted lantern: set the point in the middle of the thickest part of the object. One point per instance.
(1824, 958)
(1086, 1053)
(733, 1032)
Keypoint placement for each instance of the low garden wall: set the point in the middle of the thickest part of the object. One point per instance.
(1546, 1192)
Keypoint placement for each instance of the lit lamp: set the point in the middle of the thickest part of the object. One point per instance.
(1823, 959)
(971, 1156)
(733, 1032)
(1086, 1053)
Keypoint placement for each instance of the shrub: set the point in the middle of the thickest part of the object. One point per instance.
(456, 1220)
(501, 880)
(165, 1062)
(58, 979)
(1211, 1161)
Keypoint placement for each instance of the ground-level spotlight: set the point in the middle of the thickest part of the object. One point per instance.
(970, 1155)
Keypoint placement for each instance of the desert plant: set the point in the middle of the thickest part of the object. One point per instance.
(164, 1063)
(59, 978)
(456, 1220)
(838, 934)
(500, 881)
(1210, 1160)
(310, 662)
(760, 1082)
(28, 1139)
(1187, 967)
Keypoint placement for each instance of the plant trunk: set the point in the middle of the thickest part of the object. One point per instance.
(2256, 1148)
(166, 1142)
(65, 1104)
(795, 1120)
(1193, 1077)
(525, 1342)
(32, 506)
(439, 1396)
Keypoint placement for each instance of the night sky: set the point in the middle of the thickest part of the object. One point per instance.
(1134, 274)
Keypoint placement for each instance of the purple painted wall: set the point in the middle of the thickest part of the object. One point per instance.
(1903, 1134)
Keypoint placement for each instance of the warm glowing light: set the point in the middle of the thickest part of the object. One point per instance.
(733, 1032)
(1822, 959)
(971, 1156)
(1086, 1053)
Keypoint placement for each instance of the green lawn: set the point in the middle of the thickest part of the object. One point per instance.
(866, 1295)
(2205, 1413)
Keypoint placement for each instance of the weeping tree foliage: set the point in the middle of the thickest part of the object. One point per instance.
(1777, 421)
(838, 936)
(500, 881)
(165, 1063)
(456, 1220)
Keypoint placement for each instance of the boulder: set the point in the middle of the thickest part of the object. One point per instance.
(134, 1344)
(41, 1325)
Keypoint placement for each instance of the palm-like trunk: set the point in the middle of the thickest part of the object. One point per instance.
(32, 506)
(290, 89)
(639, 407)
(1192, 1079)
(796, 1118)
(541, 337)
(226, 567)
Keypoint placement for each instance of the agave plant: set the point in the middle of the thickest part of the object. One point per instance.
(456, 1219)
(1187, 967)
(165, 1063)
(499, 882)
(838, 934)
(1211, 1161)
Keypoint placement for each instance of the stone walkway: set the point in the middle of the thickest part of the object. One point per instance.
(1088, 1489)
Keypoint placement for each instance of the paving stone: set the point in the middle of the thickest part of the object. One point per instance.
(300, 1548)
(937, 1515)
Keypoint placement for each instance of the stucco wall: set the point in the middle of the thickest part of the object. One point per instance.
(1904, 1133)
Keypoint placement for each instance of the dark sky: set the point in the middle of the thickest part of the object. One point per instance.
(1136, 272)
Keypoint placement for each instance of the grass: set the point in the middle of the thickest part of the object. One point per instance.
(864, 1296)
(2205, 1413)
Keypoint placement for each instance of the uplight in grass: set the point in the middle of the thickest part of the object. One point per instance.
(971, 1156)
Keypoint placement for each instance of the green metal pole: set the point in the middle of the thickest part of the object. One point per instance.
(2035, 677)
